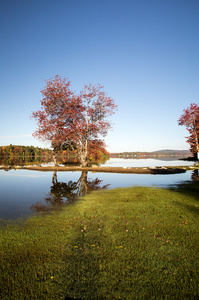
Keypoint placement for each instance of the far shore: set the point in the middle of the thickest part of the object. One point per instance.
(96, 169)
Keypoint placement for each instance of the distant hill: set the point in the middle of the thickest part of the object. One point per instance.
(169, 153)
(172, 151)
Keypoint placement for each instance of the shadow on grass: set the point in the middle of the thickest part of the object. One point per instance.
(84, 278)
(191, 208)
(68, 298)
(189, 188)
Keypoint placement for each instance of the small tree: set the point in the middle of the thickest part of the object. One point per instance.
(73, 121)
(190, 118)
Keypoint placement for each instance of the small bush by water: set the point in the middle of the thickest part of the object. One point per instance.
(133, 243)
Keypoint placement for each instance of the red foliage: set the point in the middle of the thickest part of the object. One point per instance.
(190, 119)
(97, 151)
(74, 121)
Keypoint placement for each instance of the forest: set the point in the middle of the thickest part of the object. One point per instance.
(28, 151)
(18, 155)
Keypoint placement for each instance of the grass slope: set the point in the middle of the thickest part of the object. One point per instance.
(133, 243)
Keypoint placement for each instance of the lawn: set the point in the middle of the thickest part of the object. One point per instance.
(132, 243)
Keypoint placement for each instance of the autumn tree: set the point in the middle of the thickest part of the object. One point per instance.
(77, 122)
(190, 119)
(97, 151)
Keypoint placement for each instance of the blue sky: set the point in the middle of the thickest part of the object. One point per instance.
(144, 53)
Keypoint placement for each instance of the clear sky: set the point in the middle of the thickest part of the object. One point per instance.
(144, 52)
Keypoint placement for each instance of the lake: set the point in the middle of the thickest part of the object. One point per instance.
(147, 162)
(24, 192)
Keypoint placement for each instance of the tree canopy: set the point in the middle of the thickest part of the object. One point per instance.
(190, 119)
(79, 122)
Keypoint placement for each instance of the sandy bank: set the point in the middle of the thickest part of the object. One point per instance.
(129, 170)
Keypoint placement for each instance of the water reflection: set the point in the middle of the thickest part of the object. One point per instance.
(44, 191)
(64, 193)
(195, 175)
(189, 187)
(23, 160)
(147, 162)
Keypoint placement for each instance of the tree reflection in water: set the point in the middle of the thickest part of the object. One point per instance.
(64, 193)
(195, 175)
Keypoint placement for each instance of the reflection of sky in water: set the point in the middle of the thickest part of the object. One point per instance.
(126, 180)
(20, 189)
(149, 162)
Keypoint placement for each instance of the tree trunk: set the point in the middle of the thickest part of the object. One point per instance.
(55, 156)
(54, 179)
(197, 146)
(84, 161)
(197, 150)
(83, 184)
(83, 156)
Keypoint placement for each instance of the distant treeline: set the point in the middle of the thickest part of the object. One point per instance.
(15, 154)
(156, 154)
(28, 151)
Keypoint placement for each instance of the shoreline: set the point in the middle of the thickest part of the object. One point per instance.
(96, 169)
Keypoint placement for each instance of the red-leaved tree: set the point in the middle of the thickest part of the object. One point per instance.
(78, 122)
(190, 118)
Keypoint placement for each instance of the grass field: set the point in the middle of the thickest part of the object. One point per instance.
(133, 243)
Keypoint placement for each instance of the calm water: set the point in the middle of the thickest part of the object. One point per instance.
(24, 192)
(148, 162)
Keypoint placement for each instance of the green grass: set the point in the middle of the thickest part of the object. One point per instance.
(133, 243)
